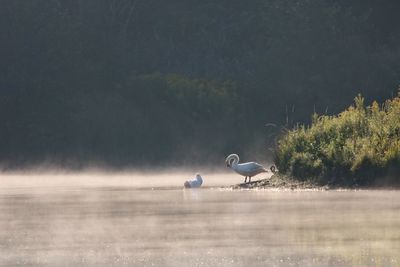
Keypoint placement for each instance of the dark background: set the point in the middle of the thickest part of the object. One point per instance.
(133, 82)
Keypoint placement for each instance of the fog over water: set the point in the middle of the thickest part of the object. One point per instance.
(164, 178)
(148, 219)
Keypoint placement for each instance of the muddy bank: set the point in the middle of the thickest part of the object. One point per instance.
(284, 182)
(278, 181)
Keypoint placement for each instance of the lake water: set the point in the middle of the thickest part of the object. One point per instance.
(138, 219)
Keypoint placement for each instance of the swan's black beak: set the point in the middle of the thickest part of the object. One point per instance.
(227, 164)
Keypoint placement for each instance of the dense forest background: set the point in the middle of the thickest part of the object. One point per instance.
(131, 82)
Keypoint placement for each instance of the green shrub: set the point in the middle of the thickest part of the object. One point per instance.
(361, 145)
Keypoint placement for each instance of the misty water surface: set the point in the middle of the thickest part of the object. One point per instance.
(150, 220)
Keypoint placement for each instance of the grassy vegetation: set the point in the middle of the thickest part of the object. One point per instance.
(127, 83)
(359, 146)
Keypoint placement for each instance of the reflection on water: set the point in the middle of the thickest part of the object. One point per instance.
(125, 225)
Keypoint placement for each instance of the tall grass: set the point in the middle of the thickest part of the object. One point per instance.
(359, 146)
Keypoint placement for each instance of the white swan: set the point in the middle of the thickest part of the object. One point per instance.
(247, 169)
(196, 182)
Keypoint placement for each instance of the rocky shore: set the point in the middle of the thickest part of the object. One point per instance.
(284, 182)
(278, 181)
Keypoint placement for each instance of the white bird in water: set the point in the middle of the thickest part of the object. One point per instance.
(196, 182)
(248, 169)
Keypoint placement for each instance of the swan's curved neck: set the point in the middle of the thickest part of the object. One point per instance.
(234, 161)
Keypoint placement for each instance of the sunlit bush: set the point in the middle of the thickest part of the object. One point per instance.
(361, 146)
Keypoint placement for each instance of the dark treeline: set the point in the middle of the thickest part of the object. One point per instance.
(125, 82)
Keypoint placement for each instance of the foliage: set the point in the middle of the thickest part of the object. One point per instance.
(130, 81)
(179, 114)
(359, 146)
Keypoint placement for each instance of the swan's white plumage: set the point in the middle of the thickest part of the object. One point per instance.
(196, 182)
(247, 169)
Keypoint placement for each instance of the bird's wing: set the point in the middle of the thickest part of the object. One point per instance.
(255, 166)
(250, 167)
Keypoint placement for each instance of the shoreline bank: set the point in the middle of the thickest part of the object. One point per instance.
(279, 181)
